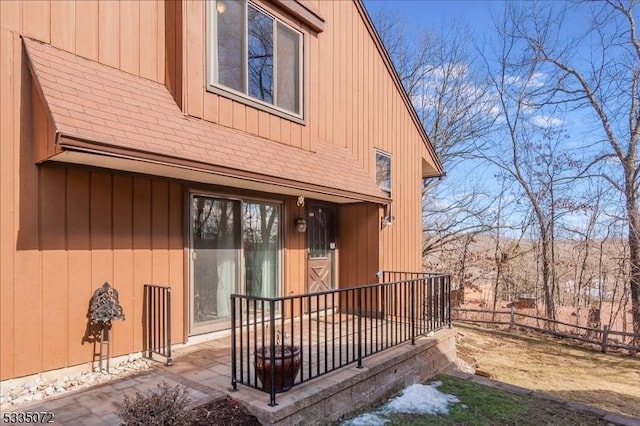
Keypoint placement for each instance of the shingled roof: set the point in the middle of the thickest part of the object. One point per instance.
(104, 111)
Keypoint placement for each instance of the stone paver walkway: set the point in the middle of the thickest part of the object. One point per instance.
(204, 369)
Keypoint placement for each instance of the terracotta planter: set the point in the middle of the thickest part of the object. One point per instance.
(286, 366)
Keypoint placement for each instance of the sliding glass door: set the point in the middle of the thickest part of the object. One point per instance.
(215, 241)
(235, 248)
(261, 248)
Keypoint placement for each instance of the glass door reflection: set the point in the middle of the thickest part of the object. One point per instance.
(215, 244)
(261, 248)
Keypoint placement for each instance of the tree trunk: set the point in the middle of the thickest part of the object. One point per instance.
(634, 250)
(549, 304)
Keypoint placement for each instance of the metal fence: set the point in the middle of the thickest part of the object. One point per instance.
(157, 307)
(279, 343)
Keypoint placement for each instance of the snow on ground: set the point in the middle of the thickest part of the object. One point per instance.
(416, 399)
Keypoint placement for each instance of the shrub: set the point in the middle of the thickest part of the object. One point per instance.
(167, 406)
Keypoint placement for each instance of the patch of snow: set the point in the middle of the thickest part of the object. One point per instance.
(366, 419)
(421, 399)
(416, 399)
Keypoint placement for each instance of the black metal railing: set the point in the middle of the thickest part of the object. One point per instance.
(157, 307)
(278, 343)
(391, 276)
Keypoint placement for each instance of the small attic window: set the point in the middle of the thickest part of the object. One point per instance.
(383, 172)
(255, 57)
(383, 180)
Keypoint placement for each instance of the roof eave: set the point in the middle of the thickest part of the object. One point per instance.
(69, 142)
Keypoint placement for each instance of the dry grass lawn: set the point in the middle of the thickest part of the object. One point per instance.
(545, 364)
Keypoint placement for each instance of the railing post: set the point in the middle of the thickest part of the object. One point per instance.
(272, 351)
(443, 298)
(234, 382)
(169, 359)
(448, 283)
(412, 301)
(512, 319)
(605, 337)
(147, 301)
(359, 327)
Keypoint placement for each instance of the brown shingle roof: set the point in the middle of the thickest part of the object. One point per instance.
(99, 108)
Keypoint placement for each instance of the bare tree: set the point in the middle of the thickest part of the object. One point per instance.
(451, 217)
(505, 249)
(529, 145)
(411, 57)
(453, 102)
(450, 93)
(606, 81)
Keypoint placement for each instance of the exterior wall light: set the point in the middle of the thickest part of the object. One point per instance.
(387, 218)
(301, 225)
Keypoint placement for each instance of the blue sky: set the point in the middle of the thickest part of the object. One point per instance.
(432, 14)
(436, 16)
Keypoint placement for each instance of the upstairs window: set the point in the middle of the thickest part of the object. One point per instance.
(383, 179)
(383, 172)
(256, 56)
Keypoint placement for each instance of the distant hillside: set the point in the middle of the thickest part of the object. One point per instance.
(586, 272)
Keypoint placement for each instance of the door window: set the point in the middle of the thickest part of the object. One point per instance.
(321, 230)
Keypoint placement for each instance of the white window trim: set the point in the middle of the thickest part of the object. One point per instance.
(212, 66)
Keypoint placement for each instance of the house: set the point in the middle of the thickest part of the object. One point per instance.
(254, 147)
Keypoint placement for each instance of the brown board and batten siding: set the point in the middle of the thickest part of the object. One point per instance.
(87, 227)
(127, 34)
(64, 231)
(363, 109)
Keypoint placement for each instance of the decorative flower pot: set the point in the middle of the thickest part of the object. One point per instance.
(286, 367)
